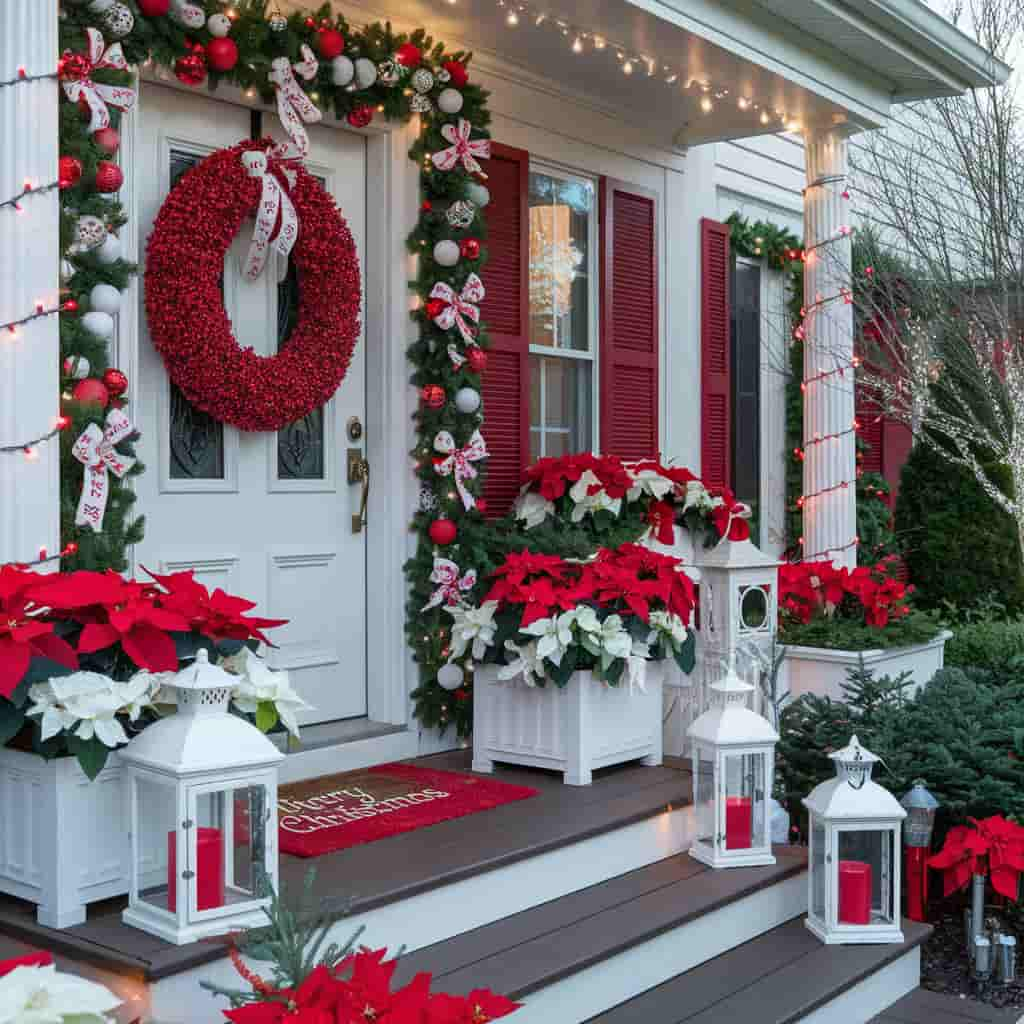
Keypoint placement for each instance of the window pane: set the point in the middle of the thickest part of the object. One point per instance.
(818, 871)
(560, 224)
(561, 405)
(744, 801)
(866, 877)
(746, 381)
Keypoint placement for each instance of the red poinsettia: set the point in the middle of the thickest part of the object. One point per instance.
(661, 515)
(554, 476)
(992, 845)
(729, 518)
(479, 1007)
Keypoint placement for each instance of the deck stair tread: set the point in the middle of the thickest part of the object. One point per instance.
(538, 947)
(777, 978)
(924, 1007)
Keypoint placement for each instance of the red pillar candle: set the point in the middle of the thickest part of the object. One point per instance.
(209, 869)
(854, 892)
(739, 822)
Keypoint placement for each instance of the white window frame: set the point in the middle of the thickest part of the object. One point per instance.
(592, 352)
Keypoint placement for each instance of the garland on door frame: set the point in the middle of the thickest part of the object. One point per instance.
(355, 74)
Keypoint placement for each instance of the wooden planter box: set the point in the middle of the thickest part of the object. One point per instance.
(64, 840)
(573, 730)
(823, 671)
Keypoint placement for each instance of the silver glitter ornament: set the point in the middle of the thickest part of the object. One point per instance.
(428, 500)
(118, 21)
(389, 72)
(461, 213)
(420, 104)
(444, 76)
(422, 80)
(277, 22)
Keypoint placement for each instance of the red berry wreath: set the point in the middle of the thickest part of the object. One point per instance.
(187, 320)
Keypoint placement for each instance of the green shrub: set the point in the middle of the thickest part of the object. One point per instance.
(988, 644)
(958, 545)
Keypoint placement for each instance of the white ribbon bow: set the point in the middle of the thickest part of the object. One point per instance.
(95, 450)
(294, 107)
(274, 201)
(96, 94)
(462, 149)
(452, 586)
(459, 462)
(461, 307)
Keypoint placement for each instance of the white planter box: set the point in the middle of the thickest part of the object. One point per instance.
(63, 839)
(822, 671)
(573, 730)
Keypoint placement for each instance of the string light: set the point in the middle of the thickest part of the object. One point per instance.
(23, 76)
(71, 548)
(28, 190)
(41, 311)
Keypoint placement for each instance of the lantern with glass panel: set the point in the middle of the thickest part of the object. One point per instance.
(854, 874)
(202, 787)
(733, 750)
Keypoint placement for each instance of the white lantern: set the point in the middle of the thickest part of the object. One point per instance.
(854, 872)
(733, 766)
(202, 791)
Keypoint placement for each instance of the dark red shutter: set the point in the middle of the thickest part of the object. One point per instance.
(629, 321)
(715, 375)
(505, 310)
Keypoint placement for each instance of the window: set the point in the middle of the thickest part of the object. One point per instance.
(563, 312)
(745, 360)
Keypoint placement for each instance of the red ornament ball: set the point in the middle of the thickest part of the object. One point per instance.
(433, 396)
(91, 391)
(330, 43)
(409, 56)
(442, 531)
(69, 171)
(115, 382)
(477, 358)
(458, 72)
(435, 307)
(154, 8)
(107, 139)
(191, 70)
(481, 506)
(361, 116)
(109, 177)
(221, 54)
(73, 66)
(470, 248)
(426, 206)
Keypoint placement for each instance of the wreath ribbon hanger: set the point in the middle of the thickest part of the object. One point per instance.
(274, 204)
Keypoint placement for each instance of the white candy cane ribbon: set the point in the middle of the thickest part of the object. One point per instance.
(460, 308)
(95, 450)
(96, 94)
(462, 148)
(294, 107)
(451, 585)
(455, 355)
(274, 202)
(458, 462)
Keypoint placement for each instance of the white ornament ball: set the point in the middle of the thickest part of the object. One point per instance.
(101, 6)
(477, 193)
(450, 676)
(90, 232)
(105, 298)
(218, 25)
(188, 15)
(100, 324)
(446, 253)
(467, 400)
(110, 251)
(77, 367)
(366, 73)
(118, 22)
(342, 70)
(422, 80)
(450, 101)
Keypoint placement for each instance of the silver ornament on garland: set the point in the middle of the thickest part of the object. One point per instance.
(450, 676)
(389, 72)
(90, 233)
(428, 500)
(461, 213)
(422, 80)
(118, 21)
(366, 72)
(420, 104)
(277, 22)
(444, 76)
(342, 70)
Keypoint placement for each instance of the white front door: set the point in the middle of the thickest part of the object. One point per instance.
(264, 516)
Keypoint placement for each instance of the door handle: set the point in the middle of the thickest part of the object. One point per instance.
(359, 472)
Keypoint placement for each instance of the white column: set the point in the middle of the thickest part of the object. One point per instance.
(829, 484)
(29, 255)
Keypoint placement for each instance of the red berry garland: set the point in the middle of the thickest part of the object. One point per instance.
(187, 320)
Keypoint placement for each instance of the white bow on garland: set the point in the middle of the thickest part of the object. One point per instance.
(460, 308)
(461, 148)
(95, 450)
(274, 201)
(458, 462)
(294, 107)
(451, 585)
(97, 94)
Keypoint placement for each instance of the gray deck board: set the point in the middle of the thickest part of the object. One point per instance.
(924, 1007)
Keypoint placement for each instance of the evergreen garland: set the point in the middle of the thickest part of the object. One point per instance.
(776, 245)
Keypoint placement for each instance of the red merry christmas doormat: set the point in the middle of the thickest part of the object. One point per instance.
(338, 811)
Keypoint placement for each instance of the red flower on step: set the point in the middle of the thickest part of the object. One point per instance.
(993, 845)
(366, 996)
(662, 519)
(219, 616)
(479, 1007)
(314, 1002)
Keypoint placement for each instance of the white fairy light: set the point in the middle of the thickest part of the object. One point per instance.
(577, 45)
(512, 19)
(706, 104)
(627, 68)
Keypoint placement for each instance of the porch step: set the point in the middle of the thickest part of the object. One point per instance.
(786, 975)
(578, 955)
(924, 1007)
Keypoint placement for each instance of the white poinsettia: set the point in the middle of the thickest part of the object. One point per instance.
(648, 481)
(697, 496)
(42, 995)
(472, 627)
(526, 662)
(160, 689)
(554, 635)
(607, 640)
(532, 508)
(670, 625)
(259, 684)
(589, 496)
